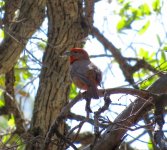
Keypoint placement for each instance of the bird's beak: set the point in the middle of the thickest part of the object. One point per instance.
(67, 53)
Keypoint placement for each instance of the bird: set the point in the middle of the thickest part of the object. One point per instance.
(84, 74)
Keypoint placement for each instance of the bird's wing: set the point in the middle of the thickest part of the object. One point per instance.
(95, 73)
(88, 75)
(83, 78)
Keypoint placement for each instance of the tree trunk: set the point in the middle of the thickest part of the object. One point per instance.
(66, 29)
(19, 29)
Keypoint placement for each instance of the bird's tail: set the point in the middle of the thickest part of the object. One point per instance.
(93, 92)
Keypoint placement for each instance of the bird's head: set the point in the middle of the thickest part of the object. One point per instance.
(77, 54)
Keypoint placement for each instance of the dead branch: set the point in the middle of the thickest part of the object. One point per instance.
(81, 118)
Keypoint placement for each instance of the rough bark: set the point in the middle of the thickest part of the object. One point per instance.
(18, 29)
(66, 29)
(10, 9)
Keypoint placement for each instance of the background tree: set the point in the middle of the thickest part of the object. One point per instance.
(34, 74)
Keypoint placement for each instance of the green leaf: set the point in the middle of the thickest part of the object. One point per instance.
(22, 72)
(11, 121)
(2, 103)
(124, 9)
(2, 3)
(73, 91)
(144, 28)
(150, 145)
(17, 77)
(120, 1)
(26, 75)
(143, 53)
(145, 9)
(41, 45)
(163, 66)
(147, 82)
(5, 138)
(156, 6)
(165, 48)
(2, 35)
(121, 24)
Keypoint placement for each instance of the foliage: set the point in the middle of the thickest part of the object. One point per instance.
(73, 91)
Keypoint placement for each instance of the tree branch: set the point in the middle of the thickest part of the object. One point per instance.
(63, 114)
(111, 137)
(141, 63)
(17, 33)
(126, 68)
(81, 118)
(149, 131)
(159, 122)
(83, 138)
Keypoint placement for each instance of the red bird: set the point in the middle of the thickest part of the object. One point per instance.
(84, 73)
